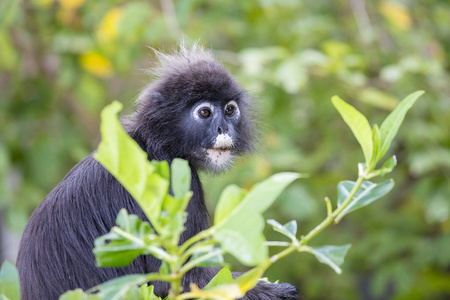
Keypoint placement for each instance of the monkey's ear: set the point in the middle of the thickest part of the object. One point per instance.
(156, 97)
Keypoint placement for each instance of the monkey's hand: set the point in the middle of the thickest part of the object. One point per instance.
(272, 291)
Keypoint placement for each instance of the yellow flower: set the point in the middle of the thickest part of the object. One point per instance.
(96, 63)
(108, 28)
(397, 14)
(71, 4)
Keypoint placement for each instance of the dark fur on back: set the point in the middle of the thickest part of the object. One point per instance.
(56, 248)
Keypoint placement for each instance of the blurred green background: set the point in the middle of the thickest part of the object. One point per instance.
(62, 61)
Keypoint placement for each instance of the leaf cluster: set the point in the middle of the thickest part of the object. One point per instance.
(238, 223)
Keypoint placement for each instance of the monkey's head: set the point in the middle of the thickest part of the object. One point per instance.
(193, 110)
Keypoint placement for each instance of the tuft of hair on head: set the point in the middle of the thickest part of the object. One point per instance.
(183, 57)
(179, 61)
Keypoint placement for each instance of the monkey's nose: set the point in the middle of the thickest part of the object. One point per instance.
(221, 129)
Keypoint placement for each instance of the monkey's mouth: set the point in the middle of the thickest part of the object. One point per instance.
(219, 153)
(219, 156)
(220, 149)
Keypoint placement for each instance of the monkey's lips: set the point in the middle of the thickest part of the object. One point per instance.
(221, 149)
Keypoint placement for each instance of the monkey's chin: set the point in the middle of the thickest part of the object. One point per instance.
(219, 159)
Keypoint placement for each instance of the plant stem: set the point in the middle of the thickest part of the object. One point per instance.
(282, 254)
(332, 217)
(145, 278)
(195, 262)
(348, 199)
(277, 243)
(158, 252)
(204, 245)
(202, 235)
(329, 208)
(175, 285)
(316, 230)
(177, 270)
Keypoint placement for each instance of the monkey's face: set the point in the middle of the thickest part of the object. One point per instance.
(216, 126)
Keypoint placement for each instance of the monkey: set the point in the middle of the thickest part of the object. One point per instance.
(193, 109)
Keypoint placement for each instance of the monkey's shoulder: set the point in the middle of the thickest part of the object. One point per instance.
(88, 191)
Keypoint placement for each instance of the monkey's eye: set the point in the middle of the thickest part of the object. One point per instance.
(229, 110)
(204, 112)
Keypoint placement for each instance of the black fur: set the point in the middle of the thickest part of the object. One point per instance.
(56, 248)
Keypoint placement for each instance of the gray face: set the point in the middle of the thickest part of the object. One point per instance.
(215, 124)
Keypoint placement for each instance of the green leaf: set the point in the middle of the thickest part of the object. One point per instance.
(164, 269)
(392, 123)
(148, 292)
(240, 232)
(9, 281)
(291, 227)
(162, 168)
(231, 196)
(249, 279)
(332, 255)
(366, 194)
(204, 261)
(173, 225)
(181, 178)
(359, 125)
(376, 139)
(174, 205)
(78, 294)
(247, 246)
(125, 287)
(223, 286)
(389, 165)
(224, 276)
(288, 229)
(128, 163)
(122, 244)
(220, 292)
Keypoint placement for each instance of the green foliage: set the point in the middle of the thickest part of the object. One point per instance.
(121, 158)
(331, 255)
(375, 142)
(132, 236)
(359, 125)
(181, 178)
(224, 276)
(231, 196)
(78, 294)
(288, 229)
(240, 232)
(121, 246)
(366, 194)
(391, 124)
(238, 227)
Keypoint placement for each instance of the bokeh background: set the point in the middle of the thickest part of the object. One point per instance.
(62, 61)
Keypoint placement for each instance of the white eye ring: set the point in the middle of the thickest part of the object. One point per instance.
(202, 105)
(236, 107)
